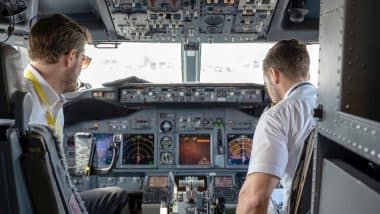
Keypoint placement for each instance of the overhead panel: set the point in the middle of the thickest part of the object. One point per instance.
(191, 20)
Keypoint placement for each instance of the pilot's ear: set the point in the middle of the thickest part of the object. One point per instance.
(274, 75)
(69, 57)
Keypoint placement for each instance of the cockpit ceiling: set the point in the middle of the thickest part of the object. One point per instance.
(182, 20)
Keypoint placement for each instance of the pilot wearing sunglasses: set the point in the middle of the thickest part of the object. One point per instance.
(56, 53)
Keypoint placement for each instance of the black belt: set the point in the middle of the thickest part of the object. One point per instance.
(298, 86)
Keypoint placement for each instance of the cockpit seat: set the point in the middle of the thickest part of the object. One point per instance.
(300, 198)
(15, 110)
(46, 173)
(33, 171)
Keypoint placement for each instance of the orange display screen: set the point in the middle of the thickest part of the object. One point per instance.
(194, 149)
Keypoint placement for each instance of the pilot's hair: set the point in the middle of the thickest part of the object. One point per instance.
(290, 57)
(55, 35)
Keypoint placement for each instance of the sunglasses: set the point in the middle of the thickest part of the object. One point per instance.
(86, 60)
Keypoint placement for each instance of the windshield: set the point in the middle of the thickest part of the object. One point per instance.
(154, 62)
(242, 62)
(161, 63)
(233, 62)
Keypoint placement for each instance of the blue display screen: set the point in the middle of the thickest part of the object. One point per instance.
(239, 149)
(103, 155)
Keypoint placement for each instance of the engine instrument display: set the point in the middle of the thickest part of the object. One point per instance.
(138, 149)
(194, 149)
(239, 149)
(158, 181)
(103, 155)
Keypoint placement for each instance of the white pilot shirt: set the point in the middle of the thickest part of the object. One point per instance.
(55, 102)
(280, 135)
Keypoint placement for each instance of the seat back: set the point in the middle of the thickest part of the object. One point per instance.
(300, 198)
(33, 171)
(46, 173)
(11, 77)
(14, 115)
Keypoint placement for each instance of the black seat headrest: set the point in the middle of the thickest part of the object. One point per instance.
(16, 103)
(11, 77)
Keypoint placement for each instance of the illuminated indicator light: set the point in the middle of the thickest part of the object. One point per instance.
(203, 141)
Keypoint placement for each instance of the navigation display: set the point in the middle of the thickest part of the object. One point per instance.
(194, 149)
(239, 149)
(138, 149)
(103, 155)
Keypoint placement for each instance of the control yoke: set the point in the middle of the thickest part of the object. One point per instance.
(85, 150)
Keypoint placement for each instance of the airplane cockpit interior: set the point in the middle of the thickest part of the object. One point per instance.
(168, 107)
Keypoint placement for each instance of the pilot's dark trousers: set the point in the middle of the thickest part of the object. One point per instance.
(108, 200)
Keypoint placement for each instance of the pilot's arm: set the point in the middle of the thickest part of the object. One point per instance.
(267, 164)
(255, 193)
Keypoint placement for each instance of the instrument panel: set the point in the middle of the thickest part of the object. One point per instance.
(206, 148)
(195, 93)
(161, 138)
(183, 142)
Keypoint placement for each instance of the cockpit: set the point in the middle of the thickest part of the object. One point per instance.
(168, 107)
(175, 86)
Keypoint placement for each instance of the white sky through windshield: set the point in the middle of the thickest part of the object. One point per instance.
(161, 63)
(155, 62)
(242, 62)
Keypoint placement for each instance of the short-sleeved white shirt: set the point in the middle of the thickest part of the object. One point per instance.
(55, 101)
(281, 133)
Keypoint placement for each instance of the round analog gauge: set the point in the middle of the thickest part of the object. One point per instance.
(166, 126)
(166, 142)
(166, 158)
